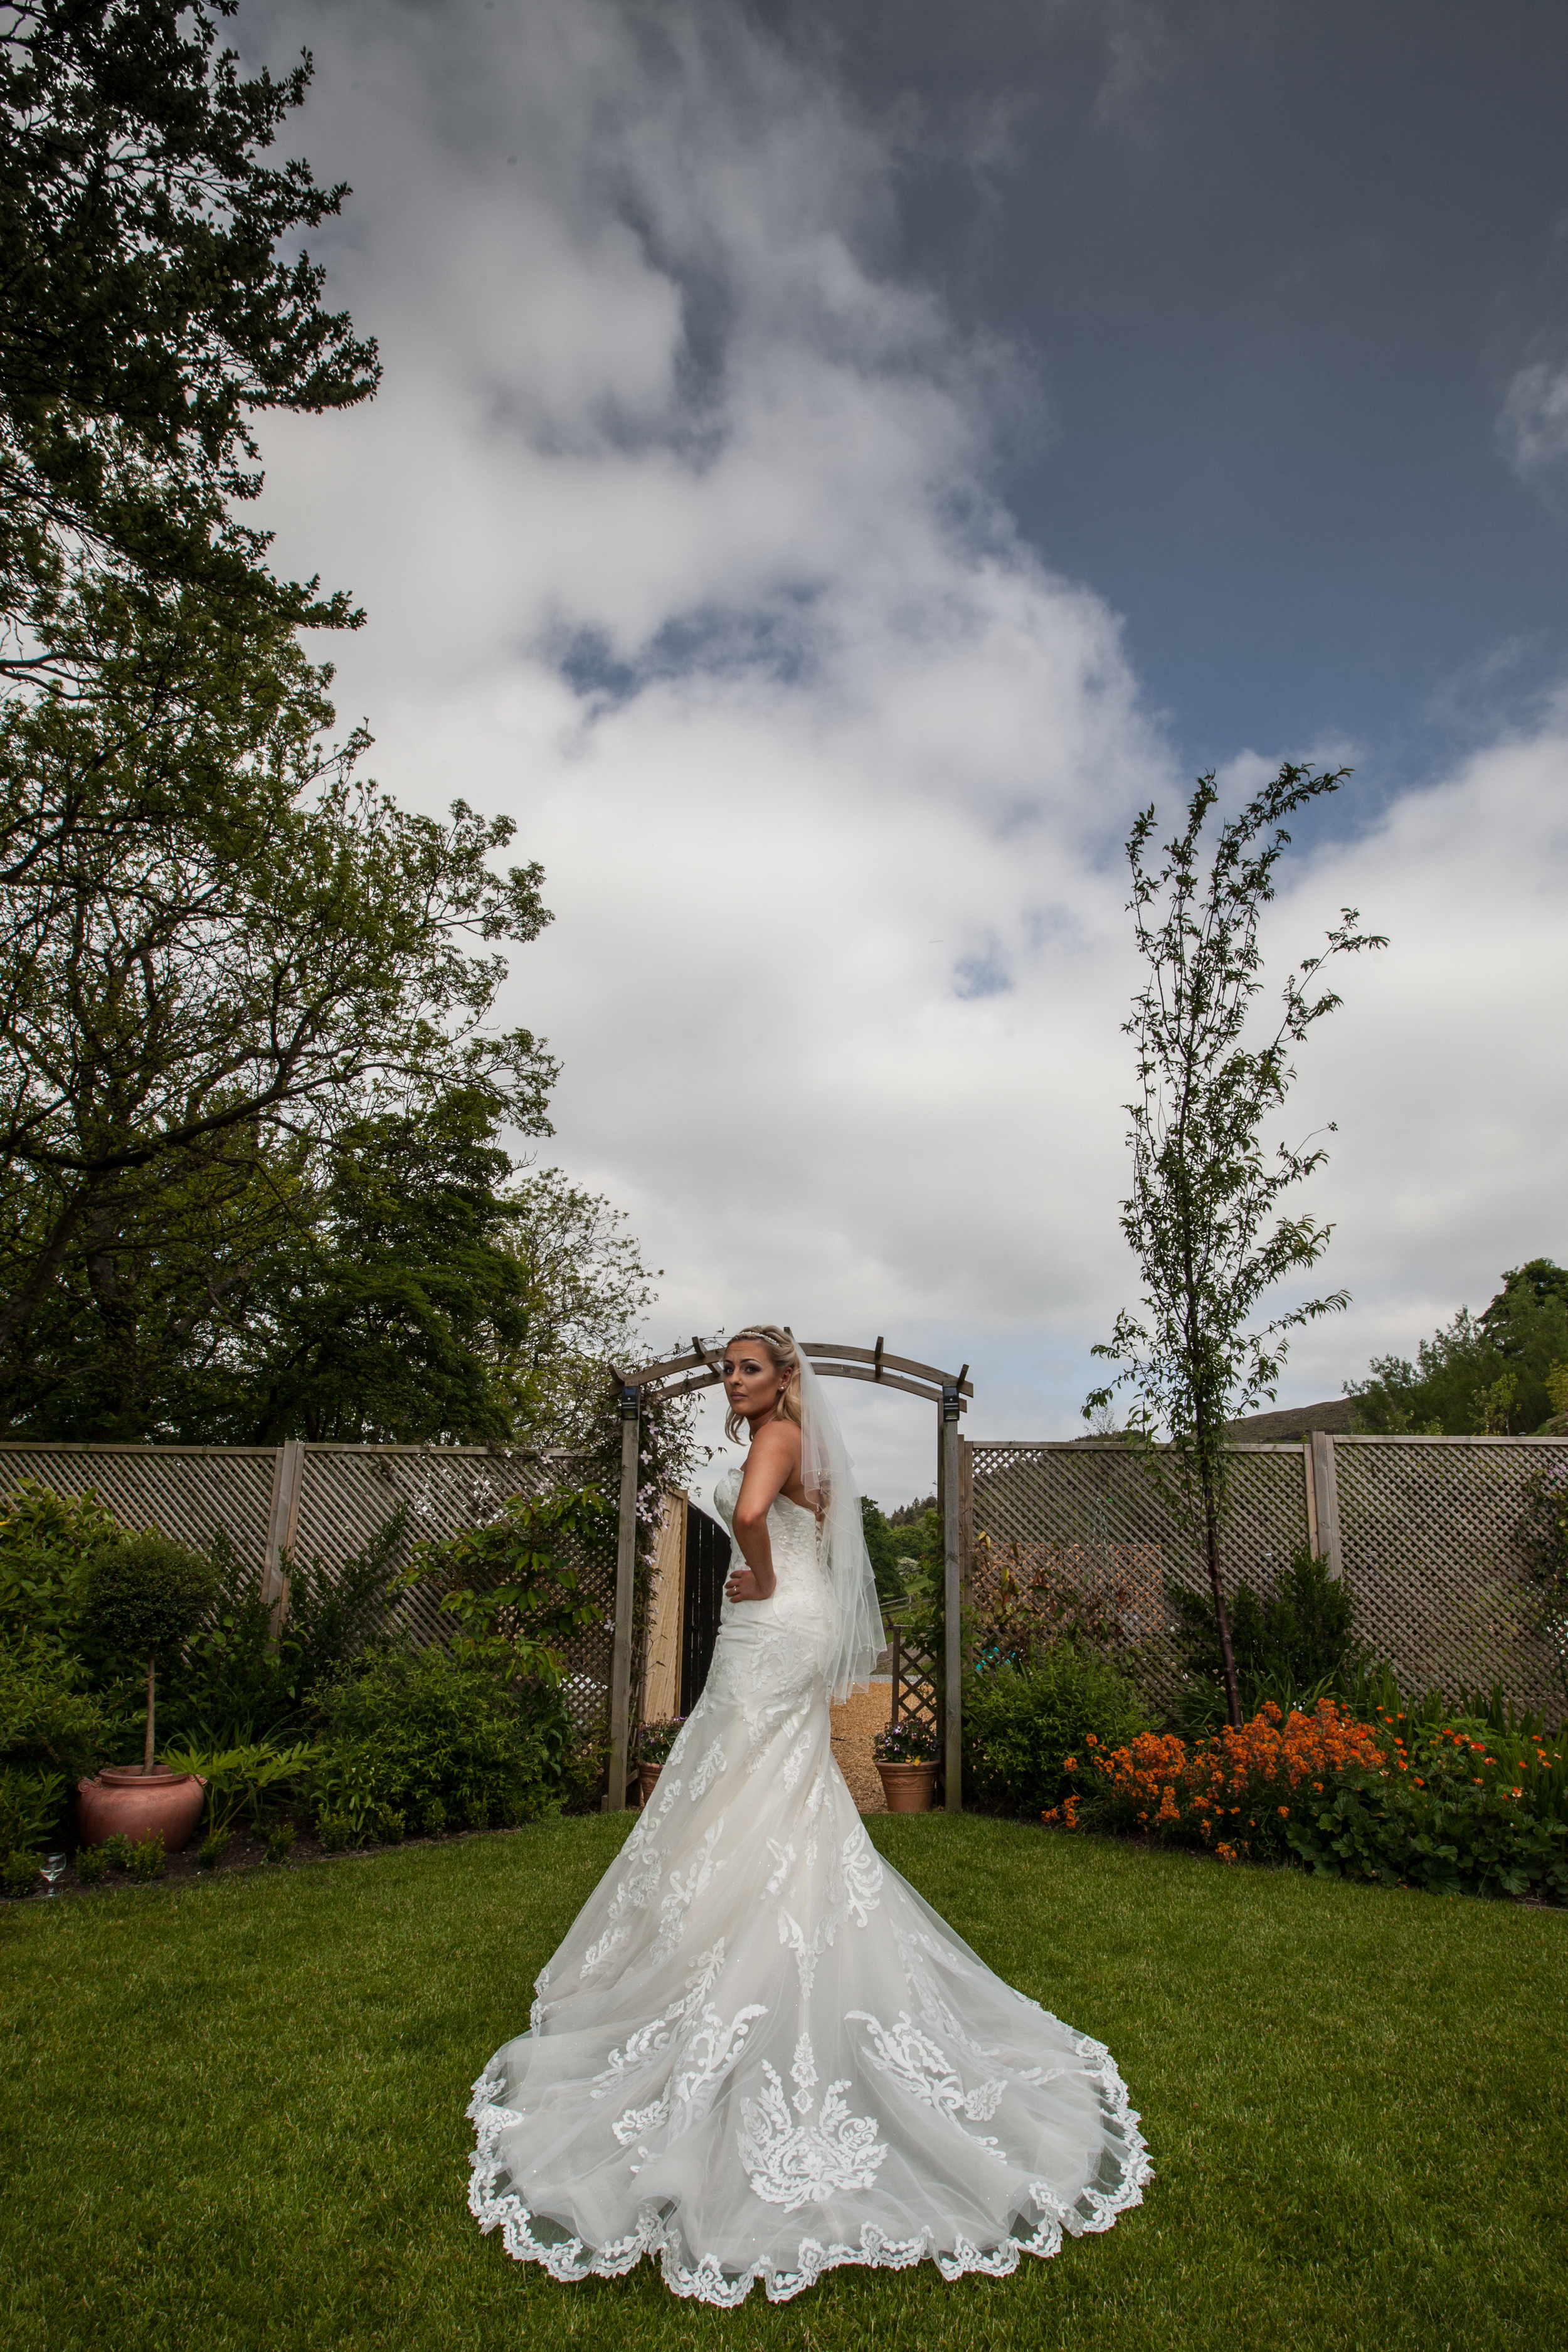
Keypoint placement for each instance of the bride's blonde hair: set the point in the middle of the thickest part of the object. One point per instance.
(785, 1355)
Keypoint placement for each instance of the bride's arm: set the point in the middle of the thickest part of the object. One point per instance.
(773, 1462)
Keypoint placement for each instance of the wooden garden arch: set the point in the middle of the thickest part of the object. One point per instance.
(677, 1376)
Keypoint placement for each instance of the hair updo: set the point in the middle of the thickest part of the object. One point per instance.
(785, 1355)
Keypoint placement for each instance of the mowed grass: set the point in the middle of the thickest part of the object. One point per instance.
(233, 2111)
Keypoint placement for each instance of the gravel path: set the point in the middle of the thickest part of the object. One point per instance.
(855, 1724)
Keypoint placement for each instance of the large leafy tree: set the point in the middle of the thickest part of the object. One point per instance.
(146, 312)
(1207, 1217)
(219, 951)
(1496, 1372)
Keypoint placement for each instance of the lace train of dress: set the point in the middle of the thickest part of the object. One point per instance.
(758, 2053)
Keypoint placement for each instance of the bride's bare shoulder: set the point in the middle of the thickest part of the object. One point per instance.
(777, 1441)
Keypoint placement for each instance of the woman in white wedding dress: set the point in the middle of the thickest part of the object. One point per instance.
(758, 2053)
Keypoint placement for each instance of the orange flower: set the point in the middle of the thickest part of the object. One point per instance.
(1285, 1811)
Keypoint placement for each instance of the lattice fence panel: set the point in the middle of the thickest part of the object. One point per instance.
(915, 1684)
(186, 1492)
(346, 1493)
(1429, 1533)
(1091, 1519)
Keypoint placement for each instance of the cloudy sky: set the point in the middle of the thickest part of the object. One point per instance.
(834, 466)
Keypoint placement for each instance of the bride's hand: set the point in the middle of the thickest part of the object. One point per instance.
(742, 1585)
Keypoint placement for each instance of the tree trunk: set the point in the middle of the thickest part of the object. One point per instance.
(1222, 1615)
(151, 1686)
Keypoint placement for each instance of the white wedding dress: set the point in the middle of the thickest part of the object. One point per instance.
(758, 2053)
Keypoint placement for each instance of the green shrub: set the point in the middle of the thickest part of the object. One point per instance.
(243, 1779)
(29, 1807)
(406, 1730)
(239, 1682)
(433, 1817)
(209, 1853)
(1021, 1724)
(118, 1850)
(147, 1858)
(280, 1839)
(19, 1871)
(92, 1863)
(46, 1723)
(1467, 1807)
(1293, 1645)
(47, 1542)
(333, 1831)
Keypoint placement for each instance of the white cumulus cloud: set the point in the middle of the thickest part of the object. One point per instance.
(676, 524)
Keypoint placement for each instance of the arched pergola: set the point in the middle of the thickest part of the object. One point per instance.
(677, 1376)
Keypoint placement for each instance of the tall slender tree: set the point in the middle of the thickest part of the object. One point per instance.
(1205, 1217)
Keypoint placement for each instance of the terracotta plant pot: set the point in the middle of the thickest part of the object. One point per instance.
(125, 1801)
(909, 1787)
(647, 1776)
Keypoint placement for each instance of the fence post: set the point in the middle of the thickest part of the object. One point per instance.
(282, 1522)
(626, 1567)
(1326, 1502)
(952, 1600)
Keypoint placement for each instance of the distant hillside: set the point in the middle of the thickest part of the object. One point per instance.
(1277, 1428)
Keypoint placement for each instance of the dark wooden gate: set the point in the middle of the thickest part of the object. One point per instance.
(707, 1566)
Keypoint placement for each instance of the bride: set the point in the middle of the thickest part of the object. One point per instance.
(758, 2053)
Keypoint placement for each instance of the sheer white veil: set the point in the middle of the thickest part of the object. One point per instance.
(829, 1476)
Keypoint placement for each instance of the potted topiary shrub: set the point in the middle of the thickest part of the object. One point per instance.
(144, 1598)
(906, 1757)
(655, 1742)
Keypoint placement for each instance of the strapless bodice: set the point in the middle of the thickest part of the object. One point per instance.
(802, 1588)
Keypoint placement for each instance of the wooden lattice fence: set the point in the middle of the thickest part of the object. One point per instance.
(325, 1503)
(1423, 1530)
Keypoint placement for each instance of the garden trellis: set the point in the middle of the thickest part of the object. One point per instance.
(677, 1376)
(1423, 1530)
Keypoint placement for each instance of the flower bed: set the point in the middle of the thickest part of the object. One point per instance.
(1460, 1807)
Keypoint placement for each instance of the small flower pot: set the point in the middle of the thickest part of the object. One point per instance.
(907, 1788)
(125, 1801)
(647, 1776)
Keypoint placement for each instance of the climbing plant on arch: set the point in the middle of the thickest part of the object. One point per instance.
(676, 1376)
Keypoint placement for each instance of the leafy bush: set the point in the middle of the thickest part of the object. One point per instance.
(48, 1543)
(45, 1721)
(29, 1807)
(19, 1872)
(244, 1778)
(1542, 1538)
(1023, 1724)
(1294, 1646)
(209, 1853)
(147, 1859)
(234, 1686)
(92, 1863)
(513, 1584)
(280, 1838)
(143, 1596)
(405, 1730)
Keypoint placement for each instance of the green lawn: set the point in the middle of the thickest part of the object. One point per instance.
(233, 2111)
